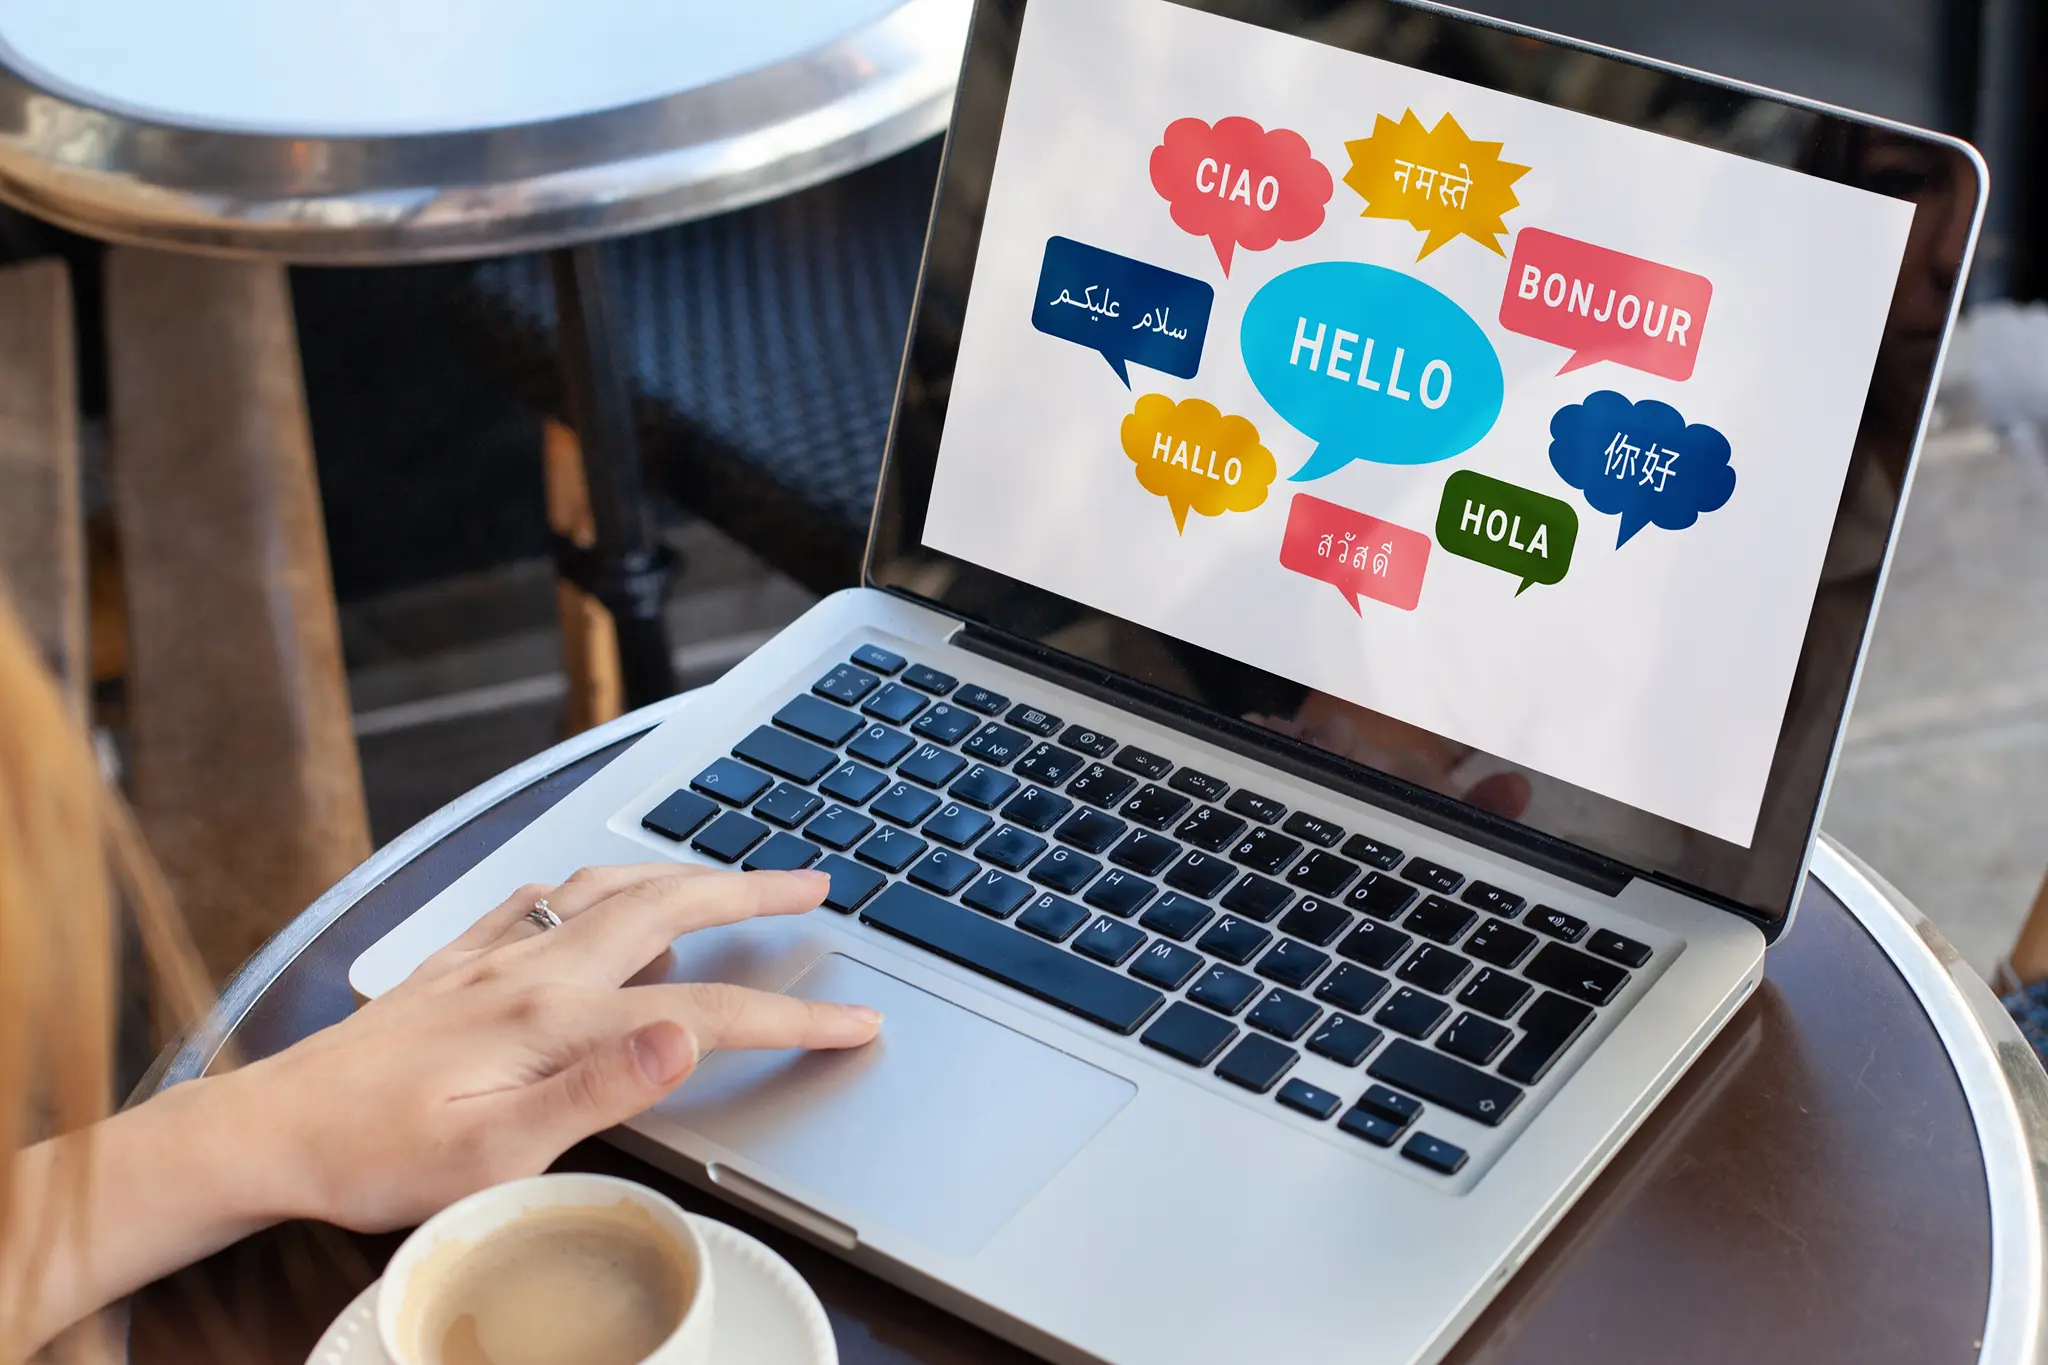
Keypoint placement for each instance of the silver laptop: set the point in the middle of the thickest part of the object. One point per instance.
(1378, 536)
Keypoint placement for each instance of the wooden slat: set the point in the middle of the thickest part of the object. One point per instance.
(243, 763)
(42, 547)
(2029, 958)
(590, 645)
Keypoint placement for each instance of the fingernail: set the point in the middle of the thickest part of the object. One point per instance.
(663, 1053)
(865, 1015)
(811, 874)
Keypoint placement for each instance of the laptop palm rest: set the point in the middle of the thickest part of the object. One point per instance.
(942, 1128)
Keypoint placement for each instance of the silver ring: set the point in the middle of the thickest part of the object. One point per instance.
(541, 917)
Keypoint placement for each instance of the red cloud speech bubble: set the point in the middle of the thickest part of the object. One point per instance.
(1605, 305)
(1359, 555)
(1239, 185)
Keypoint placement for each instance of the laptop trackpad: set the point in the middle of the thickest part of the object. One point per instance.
(941, 1128)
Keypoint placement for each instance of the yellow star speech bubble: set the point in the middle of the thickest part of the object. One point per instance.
(1438, 179)
(1192, 455)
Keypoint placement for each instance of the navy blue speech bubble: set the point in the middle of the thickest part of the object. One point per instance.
(1641, 460)
(1128, 310)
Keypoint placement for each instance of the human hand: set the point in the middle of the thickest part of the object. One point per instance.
(513, 1043)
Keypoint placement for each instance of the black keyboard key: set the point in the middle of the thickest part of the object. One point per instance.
(904, 804)
(1088, 741)
(853, 783)
(1188, 1034)
(1315, 921)
(1101, 785)
(678, 816)
(1501, 944)
(1234, 940)
(997, 744)
(880, 745)
(1313, 828)
(1571, 972)
(1257, 1063)
(1344, 1040)
(1292, 964)
(895, 704)
(1251, 805)
(1411, 1012)
(946, 724)
(1556, 923)
(1224, 989)
(1011, 847)
(1612, 946)
(932, 766)
(1494, 901)
(1167, 965)
(852, 884)
(1210, 828)
(1283, 1015)
(847, 684)
(996, 893)
(984, 786)
(1446, 1081)
(1495, 993)
(1439, 920)
(1109, 941)
(1435, 876)
(928, 679)
(1371, 851)
(733, 783)
(1199, 785)
(981, 699)
(839, 827)
(1201, 874)
(783, 852)
(1065, 870)
(958, 825)
(1120, 893)
(1352, 988)
(1434, 969)
(1312, 1100)
(944, 871)
(1381, 896)
(1476, 1040)
(1257, 897)
(1370, 1126)
(1391, 1105)
(1265, 850)
(1154, 806)
(1037, 968)
(1026, 717)
(1145, 853)
(1548, 1027)
(785, 755)
(892, 850)
(815, 718)
(1053, 918)
(882, 660)
(1176, 916)
(1323, 874)
(1036, 808)
(1373, 944)
(1049, 764)
(1442, 1157)
(1143, 763)
(729, 837)
(1090, 830)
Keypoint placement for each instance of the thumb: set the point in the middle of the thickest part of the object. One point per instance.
(610, 1083)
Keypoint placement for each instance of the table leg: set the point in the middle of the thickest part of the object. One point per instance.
(626, 566)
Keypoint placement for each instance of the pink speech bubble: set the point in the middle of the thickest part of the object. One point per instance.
(1360, 556)
(1239, 185)
(1605, 305)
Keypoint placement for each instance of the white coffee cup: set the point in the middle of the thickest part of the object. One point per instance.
(469, 1221)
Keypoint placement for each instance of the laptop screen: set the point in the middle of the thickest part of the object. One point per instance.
(1512, 451)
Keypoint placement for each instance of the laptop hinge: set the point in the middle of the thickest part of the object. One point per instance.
(1454, 818)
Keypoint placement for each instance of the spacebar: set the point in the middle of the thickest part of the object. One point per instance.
(1013, 958)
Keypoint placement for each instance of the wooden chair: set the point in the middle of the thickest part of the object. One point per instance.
(2028, 961)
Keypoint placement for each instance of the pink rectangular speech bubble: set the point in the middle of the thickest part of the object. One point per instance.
(1605, 305)
(1360, 556)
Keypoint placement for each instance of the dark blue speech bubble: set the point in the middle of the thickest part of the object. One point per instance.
(1127, 310)
(1641, 460)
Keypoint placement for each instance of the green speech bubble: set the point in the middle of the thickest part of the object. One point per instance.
(1507, 527)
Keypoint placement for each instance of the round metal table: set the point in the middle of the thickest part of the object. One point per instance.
(1854, 1172)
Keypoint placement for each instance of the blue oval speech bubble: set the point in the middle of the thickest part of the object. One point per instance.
(1371, 364)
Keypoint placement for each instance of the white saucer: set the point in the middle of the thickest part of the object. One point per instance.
(767, 1315)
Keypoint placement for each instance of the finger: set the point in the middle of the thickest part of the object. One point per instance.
(584, 888)
(622, 933)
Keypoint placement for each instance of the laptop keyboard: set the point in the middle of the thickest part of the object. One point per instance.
(1224, 930)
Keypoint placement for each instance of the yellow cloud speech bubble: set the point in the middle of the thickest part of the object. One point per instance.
(1438, 179)
(1192, 455)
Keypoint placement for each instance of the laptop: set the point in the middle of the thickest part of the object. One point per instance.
(1380, 526)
